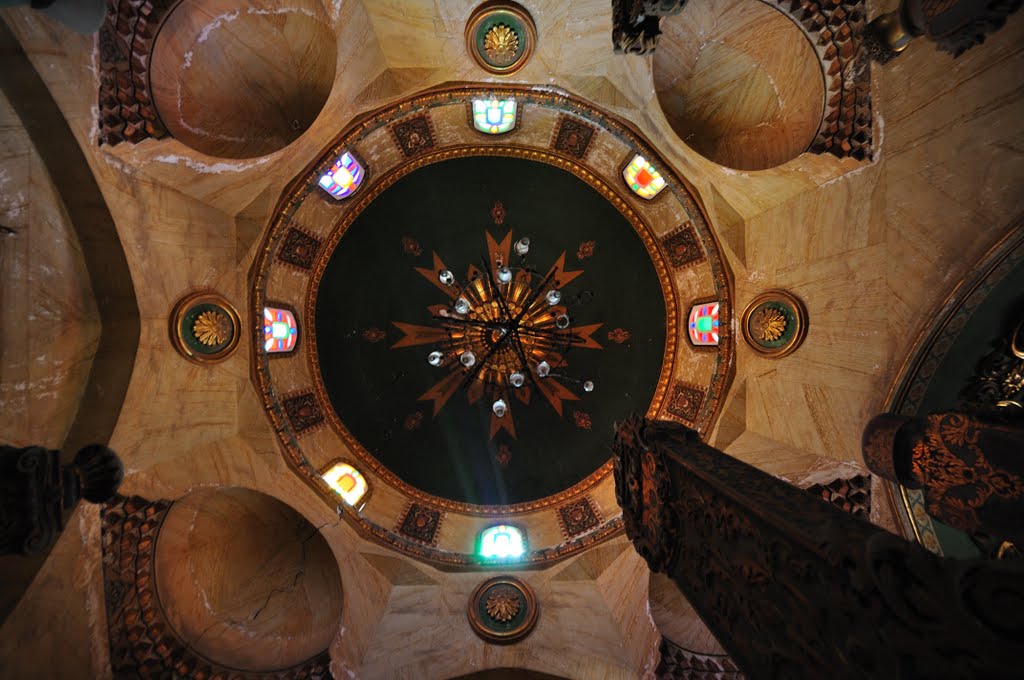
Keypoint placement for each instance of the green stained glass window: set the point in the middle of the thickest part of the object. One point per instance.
(502, 541)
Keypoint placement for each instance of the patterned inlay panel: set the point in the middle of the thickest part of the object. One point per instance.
(414, 135)
(299, 249)
(421, 523)
(685, 402)
(578, 517)
(303, 411)
(572, 137)
(682, 246)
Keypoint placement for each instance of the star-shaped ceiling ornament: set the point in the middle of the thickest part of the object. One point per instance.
(503, 334)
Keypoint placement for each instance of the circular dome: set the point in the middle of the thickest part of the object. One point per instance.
(246, 581)
(440, 425)
(241, 79)
(739, 82)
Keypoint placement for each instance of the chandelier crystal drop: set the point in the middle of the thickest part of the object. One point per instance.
(435, 358)
(504, 274)
(553, 296)
(562, 321)
(467, 359)
(517, 379)
(446, 277)
(588, 386)
(543, 369)
(500, 408)
(523, 245)
(462, 306)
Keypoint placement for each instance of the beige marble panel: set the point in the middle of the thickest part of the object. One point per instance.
(49, 323)
(175, 407)
(59, 629)
(424, 622)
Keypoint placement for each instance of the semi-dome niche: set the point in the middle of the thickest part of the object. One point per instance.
(739, 82)
(239, 79)
(246, 581)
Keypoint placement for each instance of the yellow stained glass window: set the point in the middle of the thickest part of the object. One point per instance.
(348, 482)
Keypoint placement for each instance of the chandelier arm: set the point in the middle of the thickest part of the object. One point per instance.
(496, 289)
(469, 322)
(518, 347)
(483, 362)
(535, 293)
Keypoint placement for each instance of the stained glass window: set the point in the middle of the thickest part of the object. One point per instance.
(494, 116)
(344, 177)
(704, 324)
(502, 541)
(642, 178)
(347, 481)
(280, 332)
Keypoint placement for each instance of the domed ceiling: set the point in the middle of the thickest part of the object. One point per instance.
(378, 314)
(414, 361)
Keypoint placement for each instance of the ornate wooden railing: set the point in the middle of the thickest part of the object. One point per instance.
(793, 587)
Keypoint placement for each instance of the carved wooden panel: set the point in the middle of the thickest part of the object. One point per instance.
(750, 551)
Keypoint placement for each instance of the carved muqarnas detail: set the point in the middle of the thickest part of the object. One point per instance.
(677, 662)
(836, 31)
(298, 249)
(420, 523)
(685, 402)
(126, 40)
(852, 495)
(303, 412)
(578, 517)
(413, 135)
(682, 247)
(142, 642)
(573, 137)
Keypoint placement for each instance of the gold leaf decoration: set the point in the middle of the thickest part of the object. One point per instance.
(770, 324)
(212, 328)
(501, 44)
(503, 604)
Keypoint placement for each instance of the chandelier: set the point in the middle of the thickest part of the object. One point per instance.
(508, 330)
